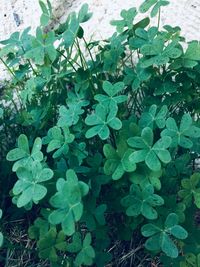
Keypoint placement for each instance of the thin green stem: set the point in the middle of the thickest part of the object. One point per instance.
(159, 13)
(66, 59)
(9, 69)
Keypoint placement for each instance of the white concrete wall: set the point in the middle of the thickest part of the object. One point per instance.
(16, 15)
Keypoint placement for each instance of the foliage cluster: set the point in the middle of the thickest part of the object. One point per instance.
(100, 140)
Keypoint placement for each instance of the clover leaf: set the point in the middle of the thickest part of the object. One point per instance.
(142, 202)
(71, 32)
(117, 162)
(135, 77)
(158, 53)
(22, 154)
(113, 55)
(75, 245)
(69, 115)
(144, 176)
(39, 229)
(151, 154)
(46, 13)
(180, 136)
(83, 14)
(159, 235)
(190, 260)
(93, 214)
(143, 37)
(58, 139)
(191, 189)
(50, 243)
(87, 253)
(154, 4)
(127, 21)
(68, 202)
(190, 58)
(111, 90)
(42, 45)
(101, 120)
(28, 188)
(152, 116)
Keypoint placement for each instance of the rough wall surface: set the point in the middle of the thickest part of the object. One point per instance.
(16, 15)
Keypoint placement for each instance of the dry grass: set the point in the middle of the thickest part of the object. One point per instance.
(20, 251)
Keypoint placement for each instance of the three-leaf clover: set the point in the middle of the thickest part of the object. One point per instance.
(127, 21)
(190, 58)
(191, 189)
(191, 260)
(42, 45)
(159, 236)
(22, 154)
(39, 229)
(180, 136)
(50, 243)
(29, 188)
(144, 176)
(68, 202)
(135, 77)
(101, 120)
(152, 116)
(93, 214)
(154, 4)
(69, 115)
(142, 202)
(151, 154)
(159, 54)
(58, 139)
(87, 253)
(111, 98)
(118, 162)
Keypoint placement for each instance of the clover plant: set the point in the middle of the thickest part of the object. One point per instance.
(100, 141)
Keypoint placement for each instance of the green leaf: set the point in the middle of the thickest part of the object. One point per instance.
(87, 253)
(117, 162)
(182, 135)
(72, 30)
(160, 235)
(76, 245)
(191, 190)
(157, 7)
(22, 154)
(128, 17)
(142, 202)
(70, 115)
(101, 120)
(193, 51)
(146, 5)
(46, 13)
(148, 119)
(112, 98)
(83, 14)
(156, 4)
(39, 229)
(151, 154)
(58, 139)
(50, 243)
(68, 202)
(28, 188)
